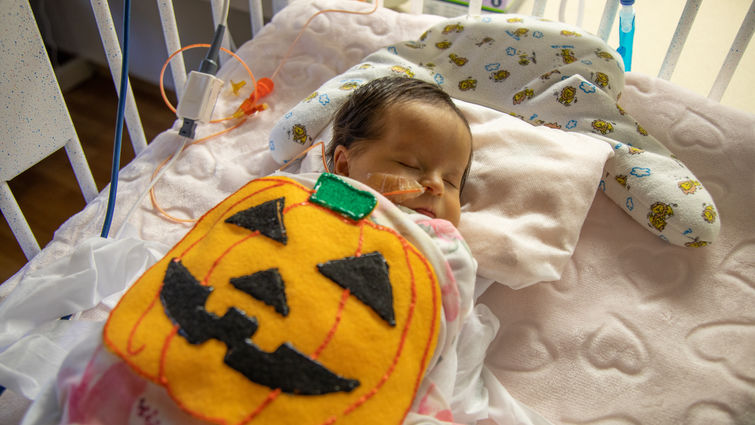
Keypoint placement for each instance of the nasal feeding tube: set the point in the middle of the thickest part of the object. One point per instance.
(626, 32)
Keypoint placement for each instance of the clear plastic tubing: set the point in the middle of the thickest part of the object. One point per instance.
(626, 32)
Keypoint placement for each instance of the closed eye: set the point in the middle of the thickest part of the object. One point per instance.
(451, 183)
(404, 164)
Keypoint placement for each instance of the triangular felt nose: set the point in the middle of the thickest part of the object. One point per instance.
(266, 286)
(266, 217)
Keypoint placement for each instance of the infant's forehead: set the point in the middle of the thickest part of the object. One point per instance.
(418, 108)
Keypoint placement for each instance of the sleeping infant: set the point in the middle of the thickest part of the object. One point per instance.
(404, 133)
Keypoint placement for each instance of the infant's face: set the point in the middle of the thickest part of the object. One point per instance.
(420, 141)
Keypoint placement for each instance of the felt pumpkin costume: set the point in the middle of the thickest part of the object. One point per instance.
(285, 305)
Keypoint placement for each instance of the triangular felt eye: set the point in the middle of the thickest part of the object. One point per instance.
(367, 278)
(266, 217)
(266, 286)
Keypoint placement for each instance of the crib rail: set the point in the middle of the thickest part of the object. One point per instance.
(34, 120)
(744, 35)
(609, 16)
(167, 13)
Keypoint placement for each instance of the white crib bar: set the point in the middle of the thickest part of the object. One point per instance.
(538, 9)
(580, 12)
(679, 38)
(256, 17)
(416, 7)
(278, 5)
(81, 170)
(114, 56)
(217, 16)
(608, 18)
(514, 6)
(735, 54)
(474, 8)
(173, 44)
(17, 222)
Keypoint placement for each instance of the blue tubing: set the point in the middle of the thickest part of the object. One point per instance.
(118, 122)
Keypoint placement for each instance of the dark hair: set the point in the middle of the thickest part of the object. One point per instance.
(361, 116)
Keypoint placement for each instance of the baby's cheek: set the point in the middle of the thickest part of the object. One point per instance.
(452, 208)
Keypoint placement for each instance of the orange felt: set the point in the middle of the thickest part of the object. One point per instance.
(325, 321)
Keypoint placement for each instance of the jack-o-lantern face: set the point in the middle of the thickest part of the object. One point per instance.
(283, 305)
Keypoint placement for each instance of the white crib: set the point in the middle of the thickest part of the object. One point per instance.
(700, 299)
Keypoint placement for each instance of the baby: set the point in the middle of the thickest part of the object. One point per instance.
(411, 131)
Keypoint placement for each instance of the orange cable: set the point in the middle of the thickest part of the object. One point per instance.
(152, 195)
(306, 24)
(301, 154)
(191, 46)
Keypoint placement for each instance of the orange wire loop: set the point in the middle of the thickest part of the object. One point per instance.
(152, 195)
(248, 107)
(306, 24)
(192, 46)
(301, 155)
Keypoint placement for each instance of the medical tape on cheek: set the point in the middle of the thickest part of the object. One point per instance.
(396, 188)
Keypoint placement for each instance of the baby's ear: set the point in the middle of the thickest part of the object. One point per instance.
(341, 161)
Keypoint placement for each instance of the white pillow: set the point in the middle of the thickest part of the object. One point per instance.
(527, 195)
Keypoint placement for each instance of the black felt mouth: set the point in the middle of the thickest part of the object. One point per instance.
(184, 298)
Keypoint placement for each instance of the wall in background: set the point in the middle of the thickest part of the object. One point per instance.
(69, 26)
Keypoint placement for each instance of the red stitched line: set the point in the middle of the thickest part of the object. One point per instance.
(164, 352)
(329, 421)
(272, 395)
(280, 182)
(404, 334)
(332, 331)
(190, 247)
(300, 204)
(138, 323)
(164, 381)
(228, 250)
(326, 209)
(424, 361)
(361, 240)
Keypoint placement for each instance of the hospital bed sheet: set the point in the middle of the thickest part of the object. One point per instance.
(636, 331)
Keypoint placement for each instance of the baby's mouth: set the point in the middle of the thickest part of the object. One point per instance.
(425, 211)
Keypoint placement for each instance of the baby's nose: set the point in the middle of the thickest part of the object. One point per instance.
(433, 184)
